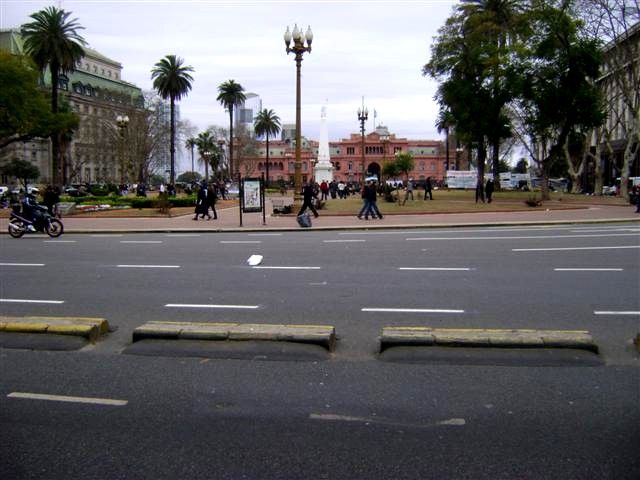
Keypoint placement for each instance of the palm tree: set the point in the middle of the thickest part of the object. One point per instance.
(230, 94)
(191, 143)
(52, 40)
(445, 121)
(206, 145)
(267, 123)
(172, 80)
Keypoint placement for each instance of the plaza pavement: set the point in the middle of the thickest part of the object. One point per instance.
(229, 221)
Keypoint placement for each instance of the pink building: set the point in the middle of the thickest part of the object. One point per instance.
(347, 157)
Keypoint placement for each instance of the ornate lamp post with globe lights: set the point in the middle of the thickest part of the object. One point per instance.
(363, 115)
(298, 48)
(122, 122)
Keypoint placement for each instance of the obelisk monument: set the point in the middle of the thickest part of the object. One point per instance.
(323, 170)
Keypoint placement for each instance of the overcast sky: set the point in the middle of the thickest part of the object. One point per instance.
(371, 49)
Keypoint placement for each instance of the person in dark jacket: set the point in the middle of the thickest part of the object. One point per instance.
(308, 194)
(51, 198)
(212, 197)
(202, 202)
(488, 190)
(428, 188)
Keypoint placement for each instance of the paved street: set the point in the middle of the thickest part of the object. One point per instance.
(180, 409)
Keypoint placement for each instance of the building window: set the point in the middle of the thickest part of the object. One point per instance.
(350, 166)
(422, 166)
(292, 166)
(350, 151)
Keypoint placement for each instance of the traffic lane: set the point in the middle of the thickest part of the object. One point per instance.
(552, 421)
(291, 297)
(228, 273)
(257, 447)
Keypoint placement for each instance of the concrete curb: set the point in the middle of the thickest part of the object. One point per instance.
(487, 338)
(89, 327)
(351, 227)
(323, 335)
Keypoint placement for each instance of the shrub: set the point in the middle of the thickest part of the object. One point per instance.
(533, 201)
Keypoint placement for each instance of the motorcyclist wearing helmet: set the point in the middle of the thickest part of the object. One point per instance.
(30, 207)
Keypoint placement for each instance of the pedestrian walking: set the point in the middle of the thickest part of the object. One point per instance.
(636, 191)
(488, 190)
(341, 189)
(202, 205)
(409, 191)
(212, 197)
(366, 204)
(308, 195)
(428, 188)
(370, 206)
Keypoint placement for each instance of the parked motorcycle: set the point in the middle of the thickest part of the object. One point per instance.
(44, 222)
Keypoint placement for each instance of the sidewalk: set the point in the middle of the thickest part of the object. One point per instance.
(229, 221)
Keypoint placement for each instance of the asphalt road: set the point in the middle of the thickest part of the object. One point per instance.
(189, 411)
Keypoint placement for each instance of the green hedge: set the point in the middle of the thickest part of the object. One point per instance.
(133, 202)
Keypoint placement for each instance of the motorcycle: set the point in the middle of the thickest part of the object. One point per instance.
(44, 222)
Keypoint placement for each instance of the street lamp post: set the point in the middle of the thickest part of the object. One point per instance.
(299, 49)
(207, 154)
(363, 115)
(122, 122)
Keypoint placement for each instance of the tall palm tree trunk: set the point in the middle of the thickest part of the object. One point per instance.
(56, 166)
(172, 177)
(267, 181)
(231, 169)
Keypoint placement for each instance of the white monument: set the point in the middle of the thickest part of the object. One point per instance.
(323, 170)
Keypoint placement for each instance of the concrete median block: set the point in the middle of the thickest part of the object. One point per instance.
(24, 327)
(88, 327)
(90, 332)
(487, 338)
(314, 334)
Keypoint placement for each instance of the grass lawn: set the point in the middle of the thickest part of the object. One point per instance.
(459, 201)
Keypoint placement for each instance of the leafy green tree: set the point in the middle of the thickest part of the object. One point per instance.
(26, 113)
(230, 94)
(191, 145)
(404, 163)
(457, 62)
(521, 167)
(22, 170)
(189, 177)
(470, 60)
(267, 123)
(498, 24)
(172, 80)
(53, 41)
(390, 170)
(208, 151)
(557, 93)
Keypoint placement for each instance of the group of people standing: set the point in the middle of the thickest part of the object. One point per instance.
(205, 200)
